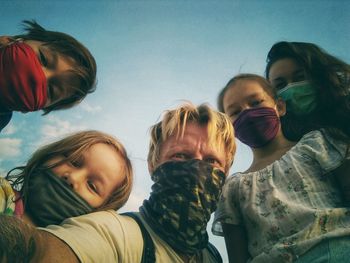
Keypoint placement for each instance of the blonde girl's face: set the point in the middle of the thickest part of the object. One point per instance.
(243, 95)
(95, 176)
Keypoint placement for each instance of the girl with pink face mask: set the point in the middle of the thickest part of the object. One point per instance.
(287, 206)
(43, 70)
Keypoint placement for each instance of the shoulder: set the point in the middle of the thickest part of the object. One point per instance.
(119, 237)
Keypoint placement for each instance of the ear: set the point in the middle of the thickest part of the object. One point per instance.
(281, 107)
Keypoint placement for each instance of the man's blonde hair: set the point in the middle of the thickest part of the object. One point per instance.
(220, 130)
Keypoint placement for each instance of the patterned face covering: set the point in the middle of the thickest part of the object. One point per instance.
(22, 80)
(50, 200)
(184, 195)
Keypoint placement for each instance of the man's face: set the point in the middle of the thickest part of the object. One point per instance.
(193, 145)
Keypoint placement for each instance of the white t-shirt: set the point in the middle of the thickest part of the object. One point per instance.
(109, 237)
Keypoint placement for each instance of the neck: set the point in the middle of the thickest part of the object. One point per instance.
(26, 218)
(271, 152)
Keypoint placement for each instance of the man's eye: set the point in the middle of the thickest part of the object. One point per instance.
(213, 161)
(42, 59)
(92, 186)
(180, 156)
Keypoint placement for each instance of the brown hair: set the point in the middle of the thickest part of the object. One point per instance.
(71, 148)
(82, 79)
(253, 77)
(220, 130)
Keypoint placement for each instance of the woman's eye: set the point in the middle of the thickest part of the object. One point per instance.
(279, 85)
(92, 186)
(42, 59)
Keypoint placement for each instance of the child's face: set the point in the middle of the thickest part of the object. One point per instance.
(284, 72)
(96, 176)
(54, 66)
(243, 95)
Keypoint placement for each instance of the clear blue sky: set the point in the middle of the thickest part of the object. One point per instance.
(152, 55)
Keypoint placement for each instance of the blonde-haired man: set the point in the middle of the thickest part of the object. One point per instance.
(191, 151)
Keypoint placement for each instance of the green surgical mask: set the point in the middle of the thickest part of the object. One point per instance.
(300, 97)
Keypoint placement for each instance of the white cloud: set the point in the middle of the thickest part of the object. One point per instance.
(55, 128)
(9, 147)
(89, 108)
(9, 129)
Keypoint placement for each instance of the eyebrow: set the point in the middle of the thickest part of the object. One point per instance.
(298, 71)
(249, 97)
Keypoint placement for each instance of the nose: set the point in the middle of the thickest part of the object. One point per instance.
(75, 178)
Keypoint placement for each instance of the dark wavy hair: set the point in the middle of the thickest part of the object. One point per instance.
(83, 79)
(328, 74)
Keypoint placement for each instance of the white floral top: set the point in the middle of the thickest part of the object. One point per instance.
(290, 205)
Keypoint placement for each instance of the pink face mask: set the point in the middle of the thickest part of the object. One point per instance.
(257, 126)
(22, 81)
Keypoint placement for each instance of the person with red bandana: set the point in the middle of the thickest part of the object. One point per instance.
(43, 70)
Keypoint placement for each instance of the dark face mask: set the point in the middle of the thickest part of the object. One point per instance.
(256, 127)
(183, 197)
(49, 200)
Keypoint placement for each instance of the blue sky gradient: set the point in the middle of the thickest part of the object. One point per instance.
(152, 55)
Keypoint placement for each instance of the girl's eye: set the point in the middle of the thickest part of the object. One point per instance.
(42, 59)
(92, 186)
(78, 163)
(234, 113)
(256, 103)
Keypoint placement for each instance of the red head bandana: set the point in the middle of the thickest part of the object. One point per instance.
(22, 80)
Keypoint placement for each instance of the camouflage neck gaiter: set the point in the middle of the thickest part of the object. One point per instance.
(183, 197)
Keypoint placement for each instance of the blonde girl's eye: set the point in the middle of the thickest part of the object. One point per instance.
(77, 163)
(92, 186)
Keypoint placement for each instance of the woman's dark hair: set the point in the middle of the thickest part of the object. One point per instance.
(83, 78)
(328, 74)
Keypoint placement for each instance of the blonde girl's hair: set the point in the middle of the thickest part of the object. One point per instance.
(72, 148)
(174, 122)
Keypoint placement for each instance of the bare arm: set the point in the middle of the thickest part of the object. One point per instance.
(20, 242)
(236, 243)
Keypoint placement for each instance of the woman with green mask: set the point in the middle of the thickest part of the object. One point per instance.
(315, 86)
